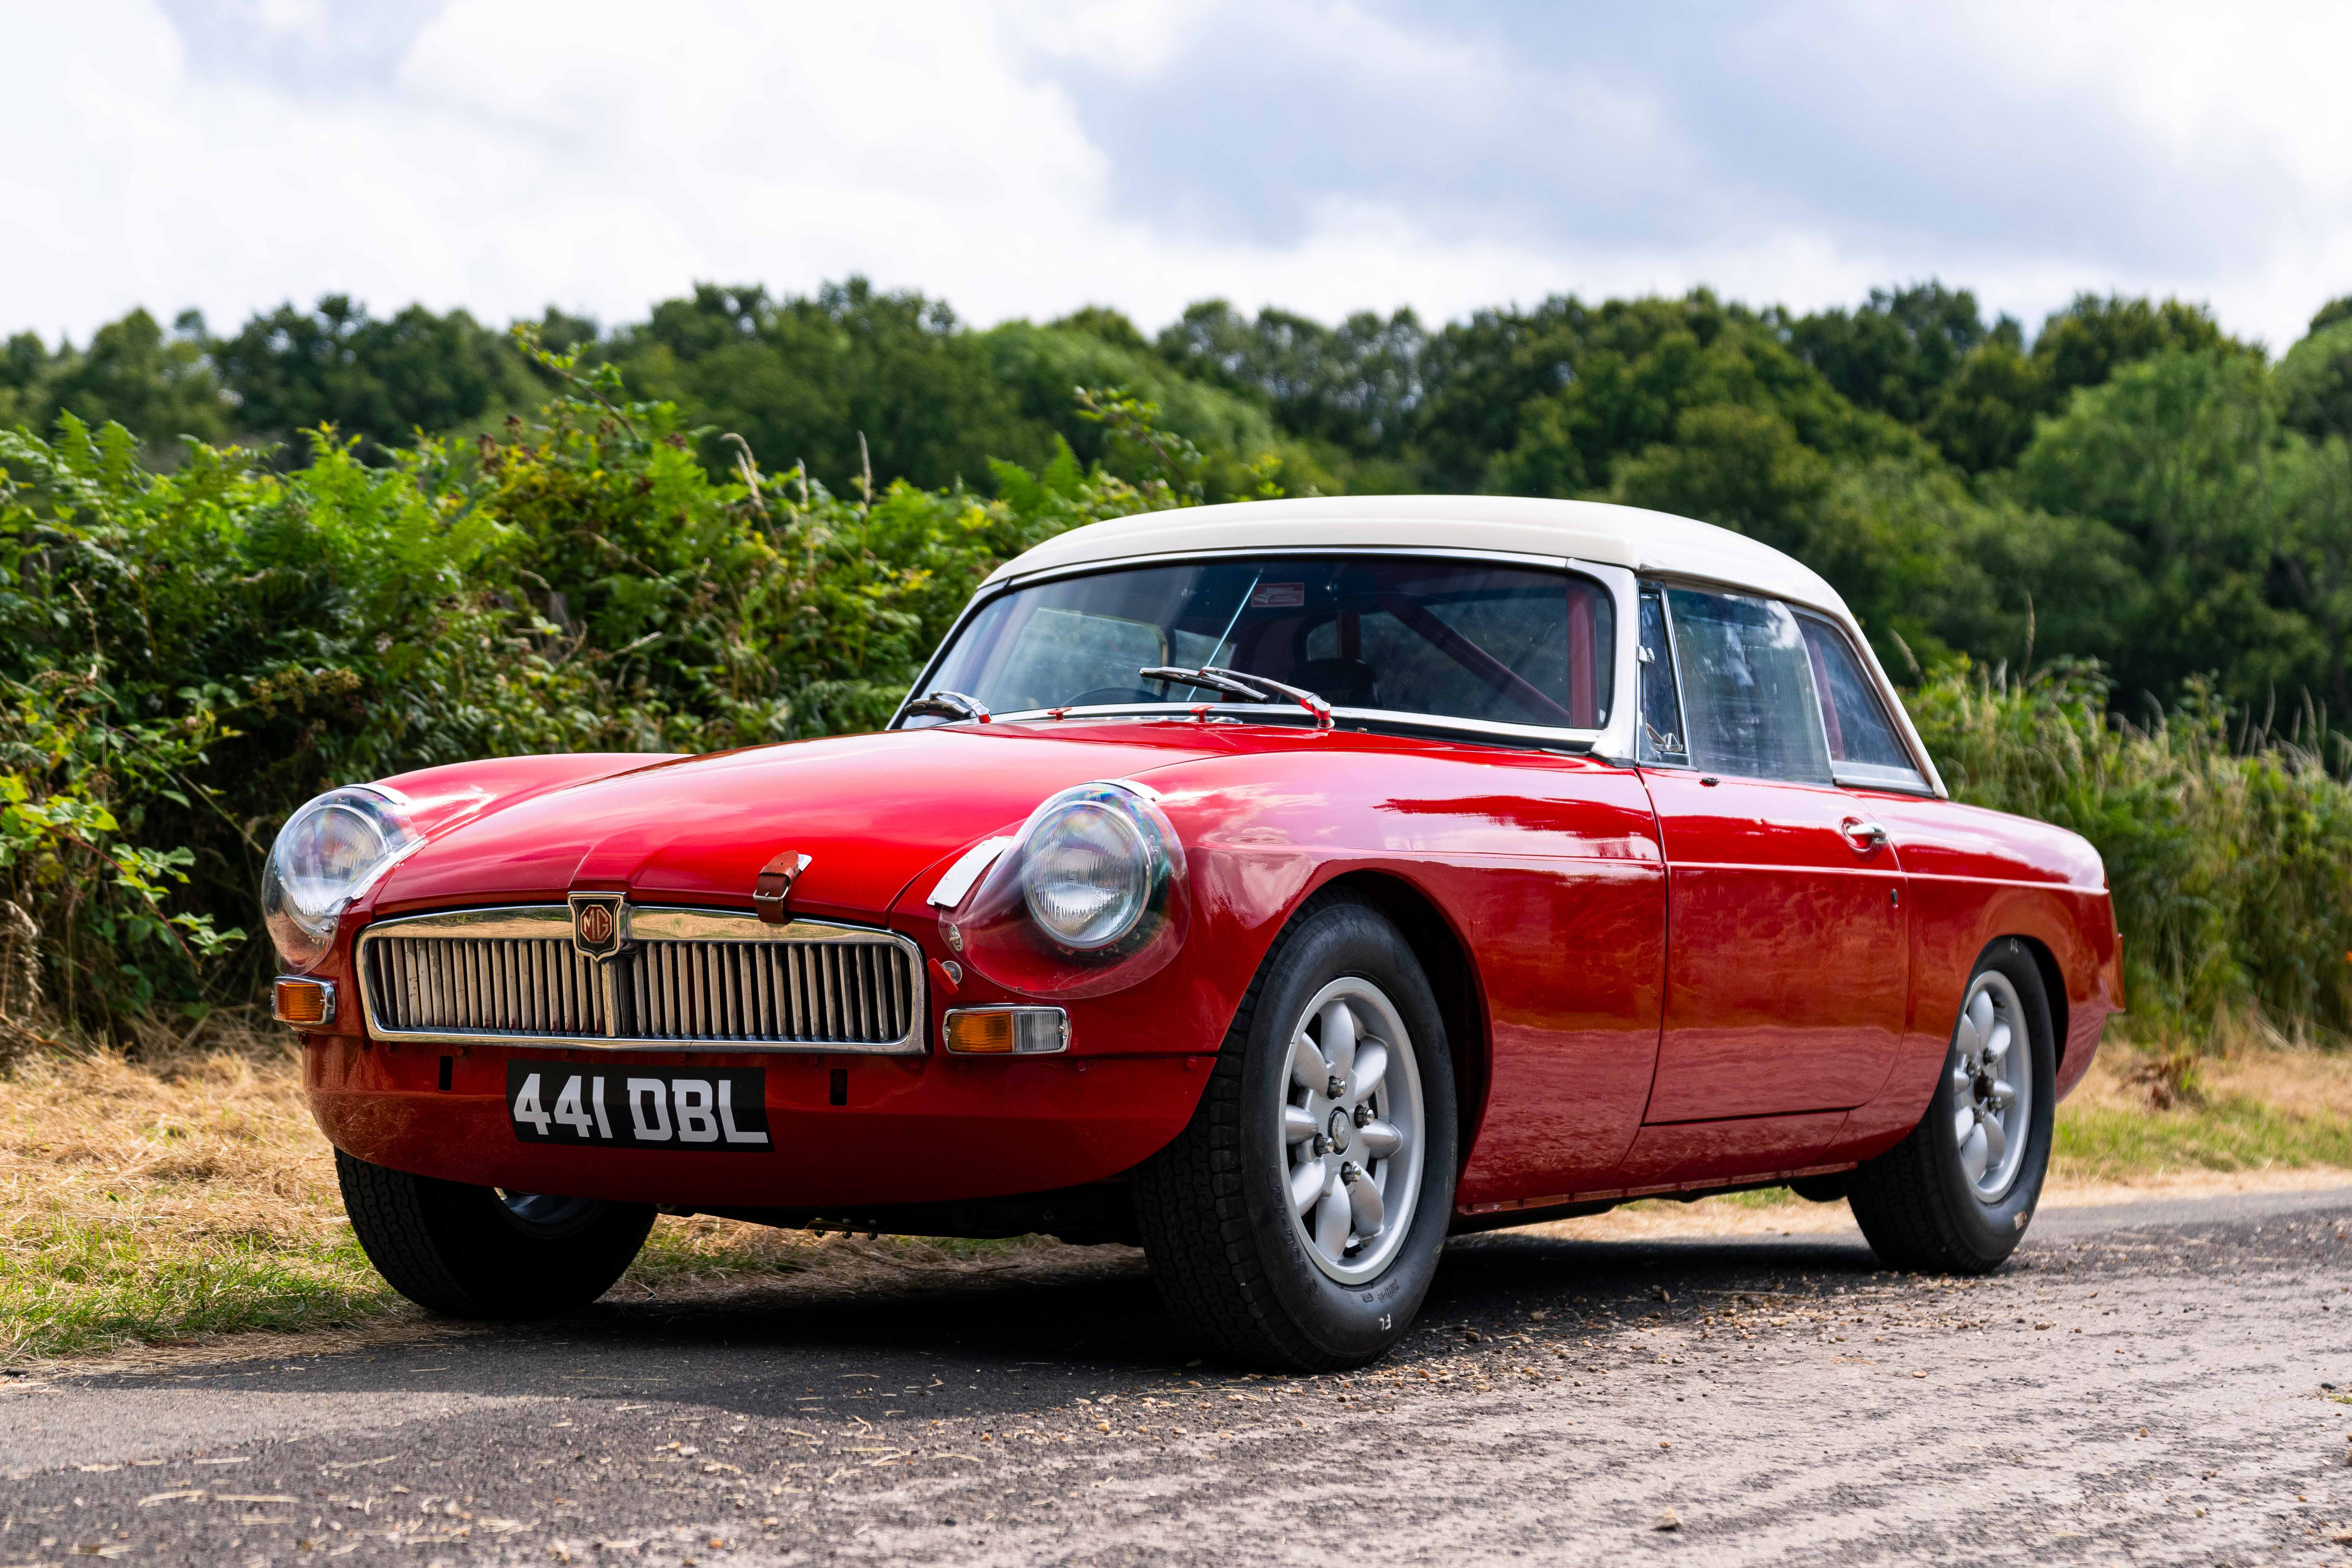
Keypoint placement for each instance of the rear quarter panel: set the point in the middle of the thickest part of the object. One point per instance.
(1975, 876)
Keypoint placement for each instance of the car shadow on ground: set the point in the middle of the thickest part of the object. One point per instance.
(976, 1344)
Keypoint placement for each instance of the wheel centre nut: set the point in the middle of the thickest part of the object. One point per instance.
(1341, 1128)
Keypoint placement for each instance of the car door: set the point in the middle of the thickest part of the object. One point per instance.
(1787, 953)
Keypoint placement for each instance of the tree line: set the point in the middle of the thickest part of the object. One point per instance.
(605, 549)
(2129, 484)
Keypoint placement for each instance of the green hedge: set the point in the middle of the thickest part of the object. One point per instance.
(187, 655)
(2229, 847)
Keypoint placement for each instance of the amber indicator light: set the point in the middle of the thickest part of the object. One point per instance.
(305, 1002)
(1007, 1031)
(980, 1032)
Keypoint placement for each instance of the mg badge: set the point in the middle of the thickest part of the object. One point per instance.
(599, 923)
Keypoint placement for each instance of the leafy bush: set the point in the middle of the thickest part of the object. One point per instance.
(2228, 848)
(189, 656)
(186, 656)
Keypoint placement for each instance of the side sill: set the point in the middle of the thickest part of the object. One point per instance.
(1509, 1212)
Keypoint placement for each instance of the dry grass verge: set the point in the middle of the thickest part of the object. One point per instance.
(155, 1206)
(2138, 1117)
(186, 1196)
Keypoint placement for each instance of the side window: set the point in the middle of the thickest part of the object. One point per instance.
(1749, 700)
(1863, 747)
(1661, 739)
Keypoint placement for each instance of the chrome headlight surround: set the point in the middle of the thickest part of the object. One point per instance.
(1088, 898)
(328, 854)
(1089, 870)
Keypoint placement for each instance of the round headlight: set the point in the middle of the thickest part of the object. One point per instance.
(328, 854)
(1089, 874)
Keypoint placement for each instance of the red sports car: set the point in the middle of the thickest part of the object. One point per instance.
(1282, 887)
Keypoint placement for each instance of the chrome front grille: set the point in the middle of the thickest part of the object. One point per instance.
(703, 979)
(519, 985)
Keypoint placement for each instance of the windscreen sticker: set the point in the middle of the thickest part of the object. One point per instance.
(1279, 596)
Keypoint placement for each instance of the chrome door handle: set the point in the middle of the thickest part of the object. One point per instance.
(1863, 837)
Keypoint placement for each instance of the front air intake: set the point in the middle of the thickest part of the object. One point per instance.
(697, 979)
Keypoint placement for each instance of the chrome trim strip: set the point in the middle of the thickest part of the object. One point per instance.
(1615, 740)
(966, 870)
(1243, 711)
(679, 989)
(1246, 552)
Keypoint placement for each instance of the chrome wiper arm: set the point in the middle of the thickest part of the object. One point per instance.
(950, 705)
(1210, 678)
(1312, 701)
(1232, 683)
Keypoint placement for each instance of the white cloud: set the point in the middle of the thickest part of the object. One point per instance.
(505, 154)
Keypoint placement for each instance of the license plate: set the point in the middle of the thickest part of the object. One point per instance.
(708, 1111)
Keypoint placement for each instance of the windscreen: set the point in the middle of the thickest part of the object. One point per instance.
(1460, 639)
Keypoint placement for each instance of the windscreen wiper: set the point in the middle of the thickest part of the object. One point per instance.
(1232, 683)
(950, 705)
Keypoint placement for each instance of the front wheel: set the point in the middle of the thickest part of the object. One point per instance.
(1954, 1196)
(1297, 1220)
(480, 1252)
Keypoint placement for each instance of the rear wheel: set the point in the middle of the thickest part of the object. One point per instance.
(1296, 1221)
(1955, 1196)
(483, 1252)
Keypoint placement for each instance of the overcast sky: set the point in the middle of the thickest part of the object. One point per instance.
(1031, 157)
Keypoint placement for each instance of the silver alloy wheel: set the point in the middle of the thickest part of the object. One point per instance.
(1351, 1111)
(1992, 1086)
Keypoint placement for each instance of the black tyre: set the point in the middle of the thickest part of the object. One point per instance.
(1295, 1223)
(477, 1252)
(1955, 1196)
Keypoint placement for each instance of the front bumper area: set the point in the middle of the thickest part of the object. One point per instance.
(910, 1130)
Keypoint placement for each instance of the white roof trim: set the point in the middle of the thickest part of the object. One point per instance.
(1623, 536)
(1640, 541)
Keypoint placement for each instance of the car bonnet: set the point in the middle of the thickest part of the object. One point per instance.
(871, 812)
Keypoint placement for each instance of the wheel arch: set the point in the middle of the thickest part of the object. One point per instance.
(1445, 958)
(2053, 986)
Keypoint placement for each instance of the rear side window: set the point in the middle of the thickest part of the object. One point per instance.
(1863, 747)
(1747, 695)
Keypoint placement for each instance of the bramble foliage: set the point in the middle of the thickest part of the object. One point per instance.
(1797, 427)
(189, 656)
(69, 862)
(454, 571)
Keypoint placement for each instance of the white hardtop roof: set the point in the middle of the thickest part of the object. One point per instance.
(1625, 536)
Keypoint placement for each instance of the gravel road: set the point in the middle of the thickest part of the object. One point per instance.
(2150, 1382)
